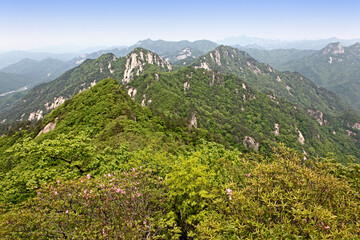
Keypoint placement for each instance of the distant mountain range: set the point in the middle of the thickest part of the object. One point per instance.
(269, 44)
(8, 58)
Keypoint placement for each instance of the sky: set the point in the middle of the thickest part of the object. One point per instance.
(67, 25)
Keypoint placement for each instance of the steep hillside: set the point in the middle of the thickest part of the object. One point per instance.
(227, 105)
(291, 86)
(95, 122)
(101, 166)
(334, 67)
(47, 96)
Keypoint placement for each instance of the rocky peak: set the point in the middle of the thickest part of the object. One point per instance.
(222, 56)
(333, 48)
(136, 61)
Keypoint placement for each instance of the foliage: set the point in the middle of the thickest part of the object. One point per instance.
(117, 206)
(286, 199)
(225, 105)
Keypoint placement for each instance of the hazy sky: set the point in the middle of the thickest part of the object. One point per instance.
(30, 24)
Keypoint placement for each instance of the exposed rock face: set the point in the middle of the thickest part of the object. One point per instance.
(278, 79)
(273, 97)
(54, 104)
(333, 48)
(109, 67)
(49, 127)
(330, 60)
(250, 142)
(318, 115)
(289, 88)
(244, 86)
(143, 101)
(36, 115)
(204, 65)
(137, 61)
(186, 52)
(350, 133)
(254, 68)
(301, 137)
(356, 126)
(132, 92)
(186, 86)
(217, 57)
(193, 121)
(277, 129)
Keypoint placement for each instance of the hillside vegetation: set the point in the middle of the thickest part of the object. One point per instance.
(105, 167)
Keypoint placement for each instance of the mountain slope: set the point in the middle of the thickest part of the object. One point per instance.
(334, 67)
(291, 86)
(104, 167)
(95, 122)
(227, 106)
(47, 96)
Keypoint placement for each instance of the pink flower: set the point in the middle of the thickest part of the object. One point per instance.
(88, 176)
(38, 193)
(109, 175)
(55, 192)
(67, 211)
(85, 191)
(327, 227)
(58, 181)
(248, 174)
(228, 192)
(133, 169)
